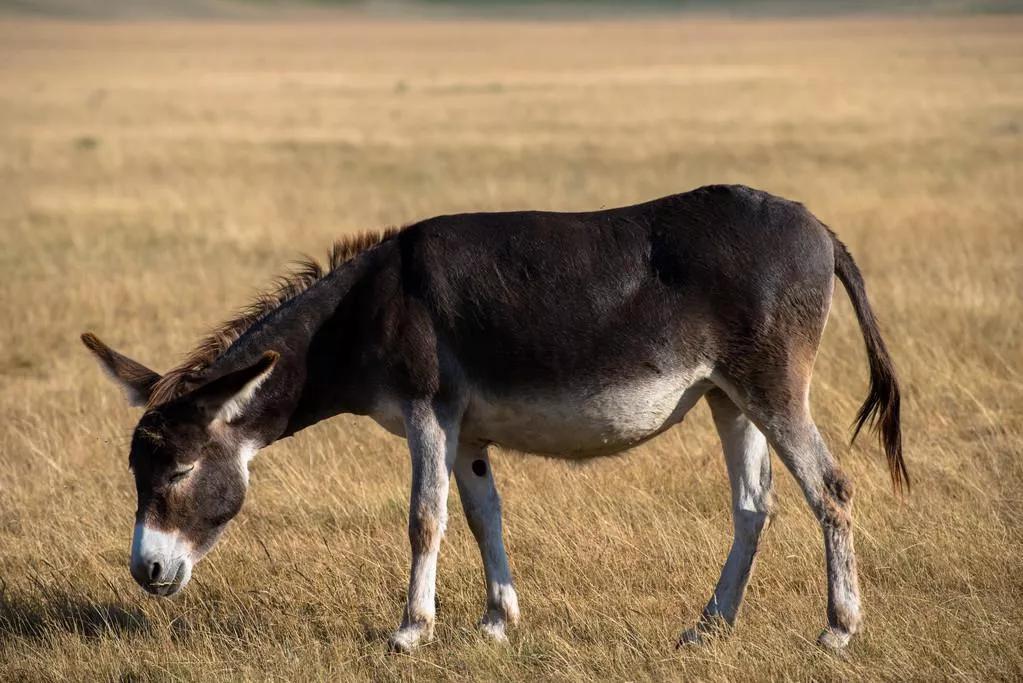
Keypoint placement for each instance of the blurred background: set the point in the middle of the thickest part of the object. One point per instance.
(533, 9)
(160, 161)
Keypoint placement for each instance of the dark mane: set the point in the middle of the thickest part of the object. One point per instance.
(286, 287)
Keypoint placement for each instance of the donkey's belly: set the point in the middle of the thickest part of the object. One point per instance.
(582, 424)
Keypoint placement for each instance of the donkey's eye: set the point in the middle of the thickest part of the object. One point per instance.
(180, 474)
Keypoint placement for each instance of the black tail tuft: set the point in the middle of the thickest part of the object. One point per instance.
(882, 405)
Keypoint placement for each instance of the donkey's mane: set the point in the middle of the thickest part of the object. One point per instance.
(304, 274)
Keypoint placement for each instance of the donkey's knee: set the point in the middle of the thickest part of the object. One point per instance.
(425, 530)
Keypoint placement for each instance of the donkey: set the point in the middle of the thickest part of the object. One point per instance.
(563, 334)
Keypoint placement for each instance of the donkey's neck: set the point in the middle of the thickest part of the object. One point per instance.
(312, 333)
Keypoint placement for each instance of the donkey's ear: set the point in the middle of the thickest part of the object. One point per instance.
(135, 379)
(227, 398)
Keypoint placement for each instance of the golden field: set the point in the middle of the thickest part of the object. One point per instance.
(154, 175)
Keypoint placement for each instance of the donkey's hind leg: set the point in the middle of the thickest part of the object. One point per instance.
(785, 419)
(749, 472)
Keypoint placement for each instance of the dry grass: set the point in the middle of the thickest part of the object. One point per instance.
(151, 176)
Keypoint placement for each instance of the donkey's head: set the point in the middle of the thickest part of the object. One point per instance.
(190, 459)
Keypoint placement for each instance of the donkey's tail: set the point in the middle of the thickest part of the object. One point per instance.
(881, 408)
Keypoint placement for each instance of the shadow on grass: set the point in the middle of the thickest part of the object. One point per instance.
(36, 617)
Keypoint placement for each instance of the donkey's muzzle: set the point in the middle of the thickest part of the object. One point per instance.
(160, 560)
(159, 578)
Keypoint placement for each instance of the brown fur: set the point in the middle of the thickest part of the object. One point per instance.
(424, 532)
(307, 271)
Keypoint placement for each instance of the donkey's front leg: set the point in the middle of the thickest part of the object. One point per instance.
(482, 507)
(432, 433)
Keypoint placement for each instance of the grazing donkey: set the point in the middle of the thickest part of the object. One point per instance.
(567, 334)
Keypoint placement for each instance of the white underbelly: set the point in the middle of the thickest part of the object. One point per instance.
(581, 424)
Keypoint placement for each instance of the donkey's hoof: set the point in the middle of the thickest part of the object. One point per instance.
(701, 634)
(834, 641)
(406, 638)
(705, 631)
(494, 631)
(691, 637)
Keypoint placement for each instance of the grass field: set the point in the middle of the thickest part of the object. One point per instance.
(152, 176)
